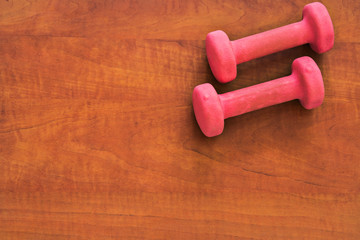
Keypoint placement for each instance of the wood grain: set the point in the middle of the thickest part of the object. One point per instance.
(98, 138)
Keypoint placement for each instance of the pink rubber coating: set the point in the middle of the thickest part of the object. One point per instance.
(223, 55)
(305, 83)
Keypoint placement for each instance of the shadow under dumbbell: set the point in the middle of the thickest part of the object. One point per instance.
(265, 68)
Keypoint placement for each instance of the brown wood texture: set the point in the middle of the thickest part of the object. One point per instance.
(98, 138)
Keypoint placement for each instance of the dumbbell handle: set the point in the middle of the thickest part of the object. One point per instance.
(259, 96)
(271, 41)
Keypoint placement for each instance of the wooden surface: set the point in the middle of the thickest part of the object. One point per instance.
(98, 138)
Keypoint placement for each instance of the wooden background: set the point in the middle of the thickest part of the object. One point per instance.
(98, 139)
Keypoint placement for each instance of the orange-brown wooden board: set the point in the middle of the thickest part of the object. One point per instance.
(98, 138)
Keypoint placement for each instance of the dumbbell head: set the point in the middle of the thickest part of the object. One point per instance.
(312, 86)
(320, 22)
(208, 110)
(221, 56)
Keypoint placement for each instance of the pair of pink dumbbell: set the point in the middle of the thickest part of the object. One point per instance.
(305, 83)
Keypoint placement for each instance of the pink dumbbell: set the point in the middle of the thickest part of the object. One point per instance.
(223, 55)
(305, 83)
